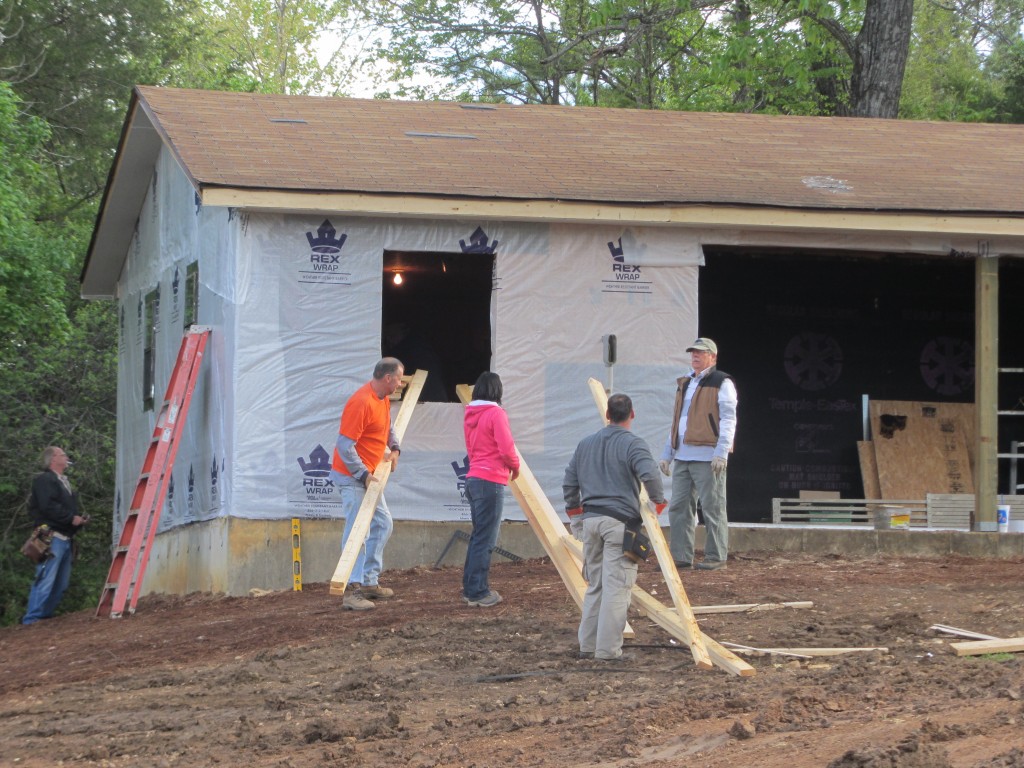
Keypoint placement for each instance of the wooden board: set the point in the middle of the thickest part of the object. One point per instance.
(920, 448)
(364, 516)
(981, 647)
(868, 469)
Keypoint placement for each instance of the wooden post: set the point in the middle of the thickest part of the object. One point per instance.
(986, 388)
(694, 638)
(357, 536)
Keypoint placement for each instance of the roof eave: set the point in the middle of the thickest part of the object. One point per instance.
(984, 225)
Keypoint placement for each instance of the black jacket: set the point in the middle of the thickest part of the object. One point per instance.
(51, 503)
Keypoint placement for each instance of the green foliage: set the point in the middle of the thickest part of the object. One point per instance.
(31, 268)
(1006, 67)
(73, 64)
(270, 46)
(945, 79)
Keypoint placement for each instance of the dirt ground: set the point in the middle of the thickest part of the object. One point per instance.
(289, 679)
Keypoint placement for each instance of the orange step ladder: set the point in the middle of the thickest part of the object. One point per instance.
(132, 551)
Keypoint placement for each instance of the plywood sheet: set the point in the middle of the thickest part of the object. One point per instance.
(920, 448)
(868, 469)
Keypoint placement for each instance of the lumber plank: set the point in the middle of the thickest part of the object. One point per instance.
(694, 636)
(963, 632)
(806, 651)
(700, 610)
(980, 647)
(364, 516)
(868, 469)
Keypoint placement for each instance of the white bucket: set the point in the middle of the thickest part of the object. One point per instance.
(1003, 517)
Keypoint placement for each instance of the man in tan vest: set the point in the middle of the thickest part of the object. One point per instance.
(696, 454)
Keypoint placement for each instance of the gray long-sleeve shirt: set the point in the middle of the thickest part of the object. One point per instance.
(606, 471)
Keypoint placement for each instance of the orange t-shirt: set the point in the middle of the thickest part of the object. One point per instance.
(367, 420)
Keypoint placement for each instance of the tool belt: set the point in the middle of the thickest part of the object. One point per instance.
(635, 543)
(37, 547)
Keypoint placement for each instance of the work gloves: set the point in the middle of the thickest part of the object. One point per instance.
(718, 465)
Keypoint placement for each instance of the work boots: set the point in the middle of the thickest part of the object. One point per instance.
(376, 592)
(354, 600)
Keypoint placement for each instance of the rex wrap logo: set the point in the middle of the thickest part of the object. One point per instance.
(461, 470)
(316, 480)
(324, 264)
(626, 278)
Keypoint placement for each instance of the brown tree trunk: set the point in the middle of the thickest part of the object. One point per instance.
(880, 53)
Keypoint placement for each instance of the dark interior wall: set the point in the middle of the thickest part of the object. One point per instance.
(439, 317)
(805, 335)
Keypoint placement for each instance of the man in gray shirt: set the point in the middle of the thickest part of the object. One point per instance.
(602, 483)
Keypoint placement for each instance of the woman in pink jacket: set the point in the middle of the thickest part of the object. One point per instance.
(493, 461)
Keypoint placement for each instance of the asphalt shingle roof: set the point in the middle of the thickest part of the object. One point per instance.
(445, 149)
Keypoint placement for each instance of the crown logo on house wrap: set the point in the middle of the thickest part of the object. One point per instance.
(326, 242)
(213, 473)
(319, 464)
(618, 253)
(461, 470)
(478, 243)
(191, 479)
(174, 283)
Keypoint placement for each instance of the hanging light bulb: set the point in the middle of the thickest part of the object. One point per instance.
(398, 278)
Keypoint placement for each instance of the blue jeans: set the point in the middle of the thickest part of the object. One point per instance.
(52, 578)
(688, 477)
(485, 502)
(370, 560)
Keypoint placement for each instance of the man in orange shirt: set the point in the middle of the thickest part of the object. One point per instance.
(364, 435)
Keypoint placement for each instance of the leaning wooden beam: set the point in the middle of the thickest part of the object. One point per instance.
(808, 652)
(700, 610)
(963, 632)
(981, 647)
(692, 634)
(668, 619)
(364, 516)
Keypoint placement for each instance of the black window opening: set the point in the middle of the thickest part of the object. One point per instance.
(436, 315)
(150, 319)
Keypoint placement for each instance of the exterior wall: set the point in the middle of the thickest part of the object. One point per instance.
(309, 314)
(173, 232)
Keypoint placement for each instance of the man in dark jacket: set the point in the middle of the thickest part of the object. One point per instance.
(52, 503)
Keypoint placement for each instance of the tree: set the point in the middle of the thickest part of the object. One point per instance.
(73, 64)
(816, 56)
(946, 76)
(272, 46)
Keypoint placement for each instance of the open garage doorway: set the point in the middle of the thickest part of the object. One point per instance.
(807, 333)
(436, 315)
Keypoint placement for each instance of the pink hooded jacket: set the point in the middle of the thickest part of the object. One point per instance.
(489, 444)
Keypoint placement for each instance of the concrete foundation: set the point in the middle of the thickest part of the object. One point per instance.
(233, 555)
